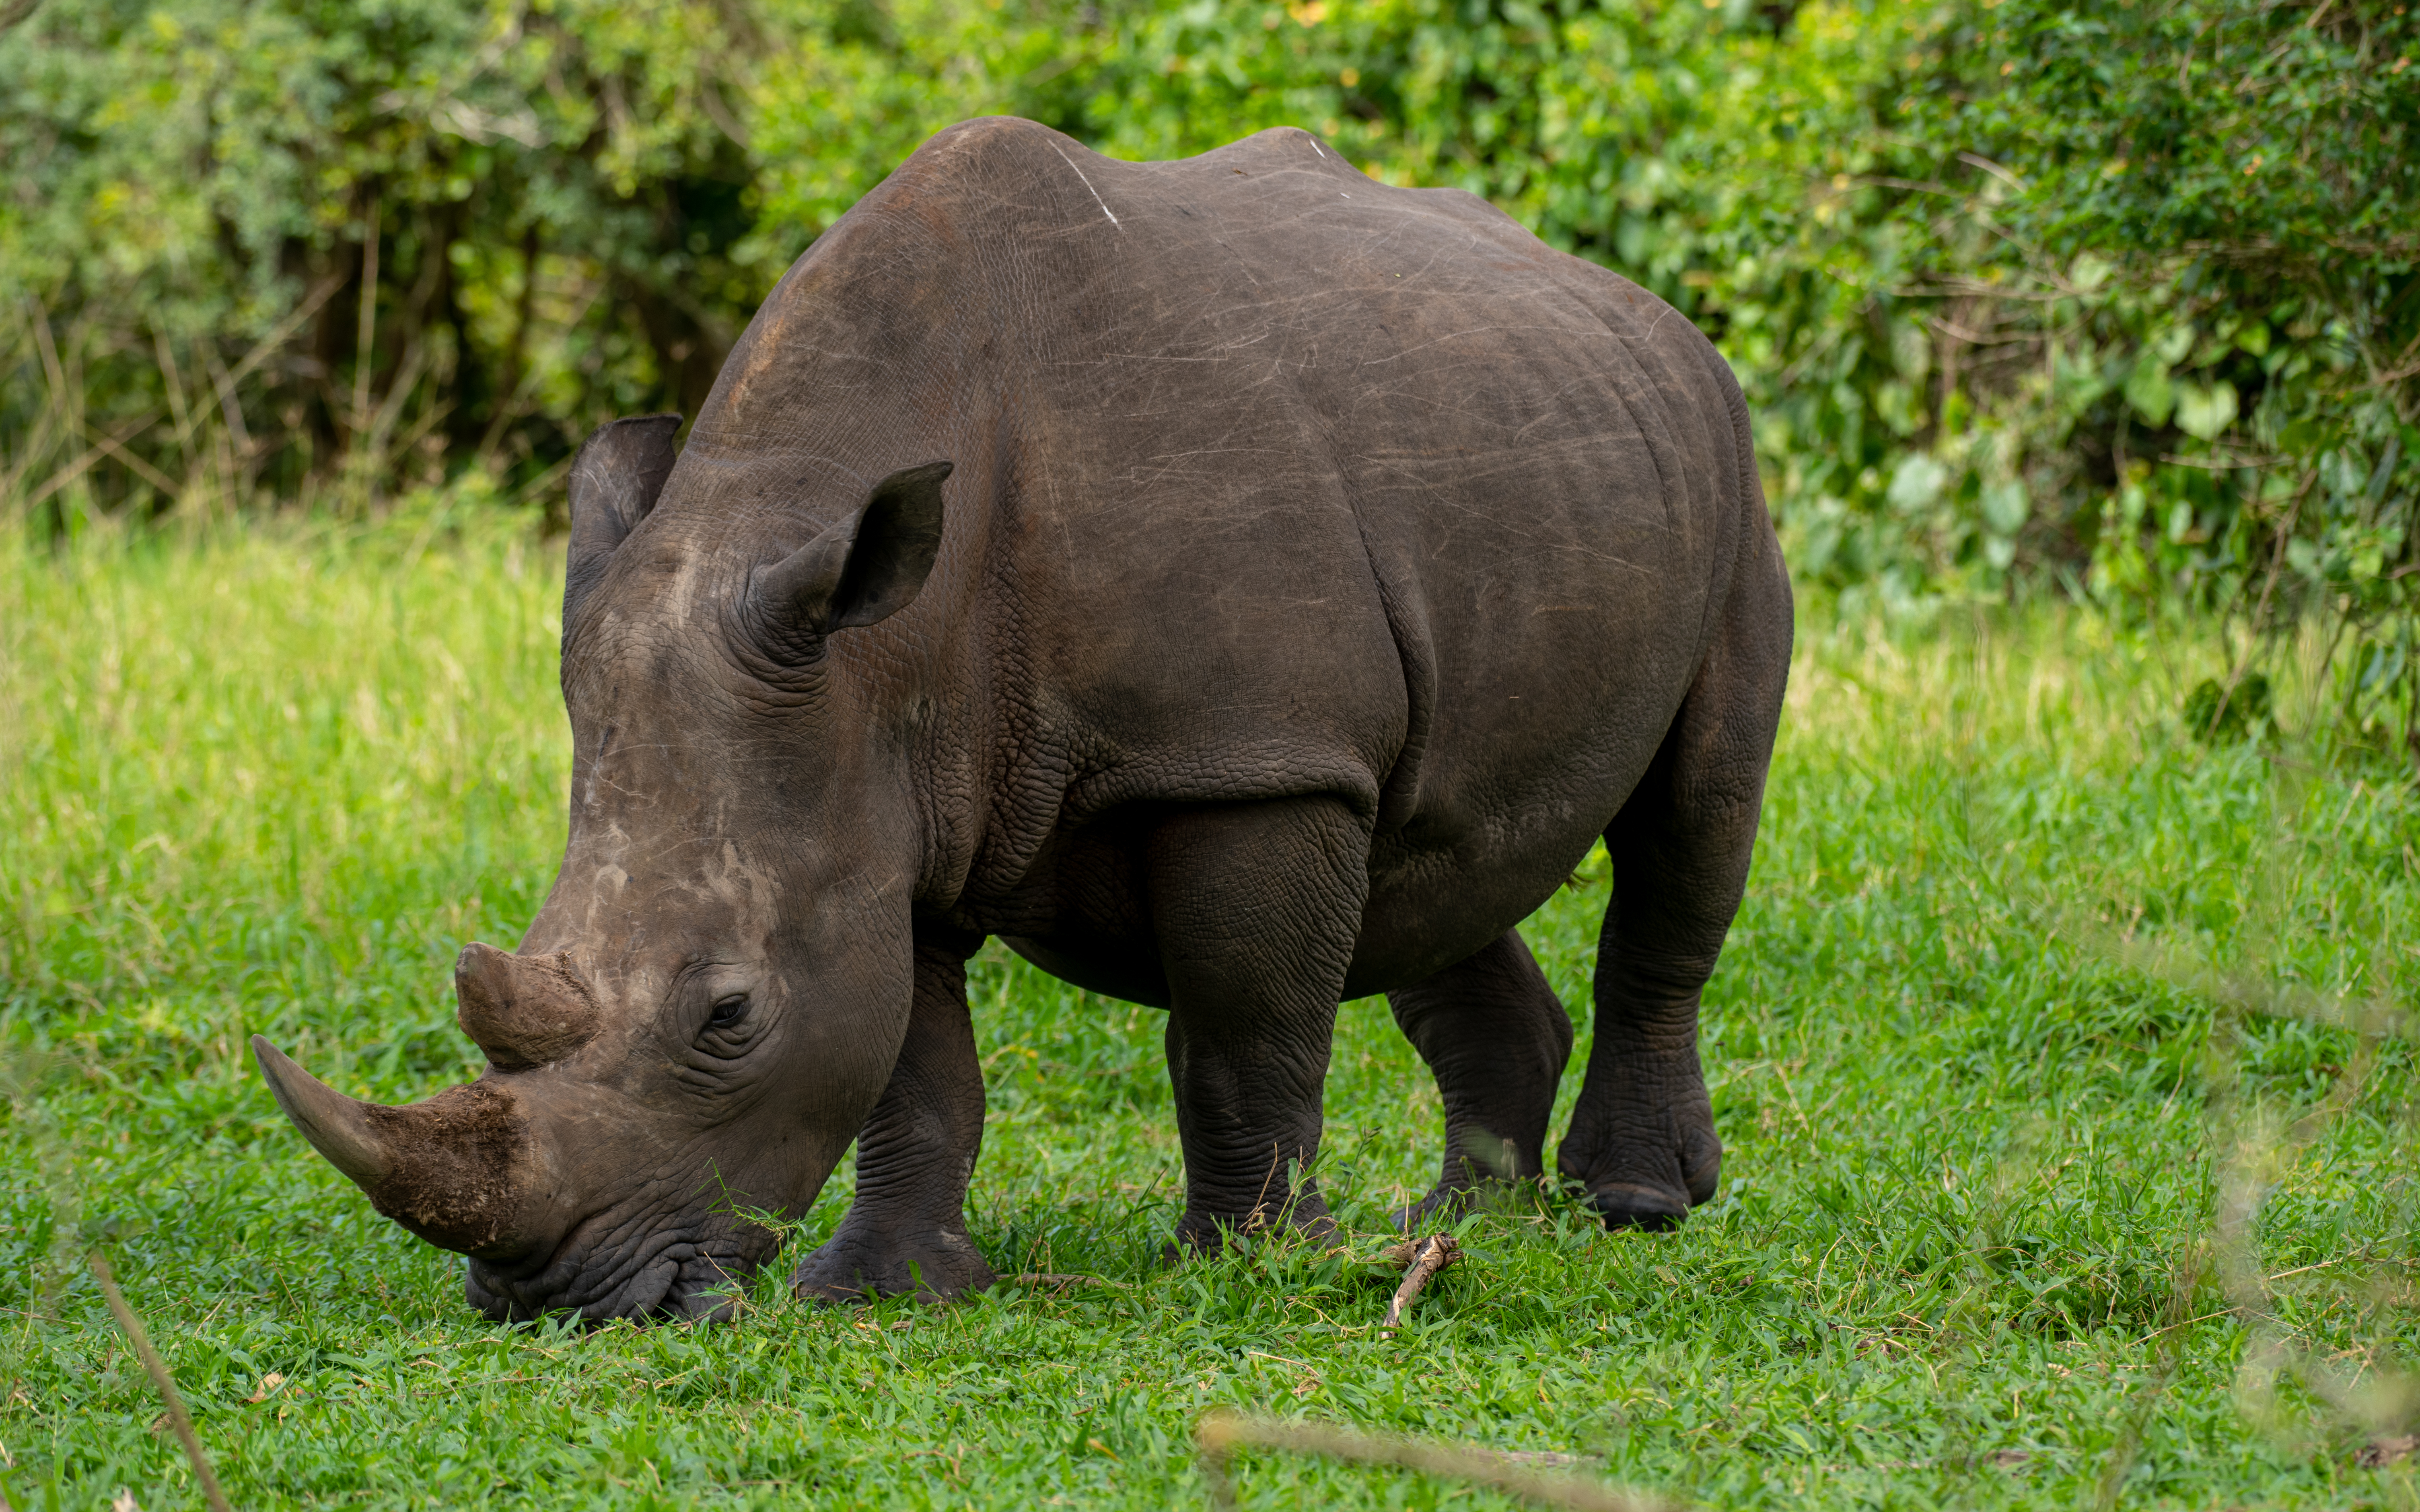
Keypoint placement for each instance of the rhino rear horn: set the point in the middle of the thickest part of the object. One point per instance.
(864, 569)
(453, 1169)
(615, 480)
(523, 1010)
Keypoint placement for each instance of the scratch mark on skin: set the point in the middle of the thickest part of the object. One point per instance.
(1087, 183)
(1546, 410)
(1451, 335)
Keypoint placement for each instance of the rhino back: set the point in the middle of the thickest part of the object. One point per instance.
(1282, 480)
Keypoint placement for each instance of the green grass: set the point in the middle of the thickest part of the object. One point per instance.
(271, 784)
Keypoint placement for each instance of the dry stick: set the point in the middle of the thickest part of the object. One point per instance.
(1425, 1258)
(223, 381)
(1221, 1433)
(365, 327)
(62, 391)
(173, 380)
(92, 454)
(236, 450)
(158, 1370)
(399, 394)
(151, 474)
(34, 451)
(37, 321)
(25, 451)
(516, 378)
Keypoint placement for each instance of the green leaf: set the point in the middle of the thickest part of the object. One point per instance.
(2006, 506)
(1917, 482)
(2203, 411)
(2150, 392)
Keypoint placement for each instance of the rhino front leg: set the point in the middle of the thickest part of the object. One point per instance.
(906, 1231)
(1255, 908)
(1496, 1036)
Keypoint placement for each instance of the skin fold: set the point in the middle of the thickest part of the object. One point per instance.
(1238, 585)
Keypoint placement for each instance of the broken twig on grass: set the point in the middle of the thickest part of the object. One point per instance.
(158, 1370)
(1422, 1260)
(1219, 1434)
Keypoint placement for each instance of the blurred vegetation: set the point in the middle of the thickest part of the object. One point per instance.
(2113, 298)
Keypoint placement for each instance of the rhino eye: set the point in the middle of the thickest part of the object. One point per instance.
(728, 1010)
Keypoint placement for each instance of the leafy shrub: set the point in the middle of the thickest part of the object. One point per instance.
(2215, 710)
(261, 244)
(2108, 297)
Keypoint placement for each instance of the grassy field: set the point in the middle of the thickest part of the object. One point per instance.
(2022, 1205)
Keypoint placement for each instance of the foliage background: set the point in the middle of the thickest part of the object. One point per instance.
(2111, 298)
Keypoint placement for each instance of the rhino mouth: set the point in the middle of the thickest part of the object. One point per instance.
(462, 1170)
(673, 1273)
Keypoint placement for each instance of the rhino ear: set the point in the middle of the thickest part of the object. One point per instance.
(614, 481)
(863, 570)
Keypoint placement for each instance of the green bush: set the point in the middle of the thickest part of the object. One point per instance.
(561, 204)
(2111, 297)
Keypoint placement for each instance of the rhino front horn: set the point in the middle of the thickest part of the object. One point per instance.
(453, 1169)
(338, 1127)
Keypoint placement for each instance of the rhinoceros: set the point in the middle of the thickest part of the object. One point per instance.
(1238, 585)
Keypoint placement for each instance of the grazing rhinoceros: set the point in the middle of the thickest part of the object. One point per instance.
(1237, 584)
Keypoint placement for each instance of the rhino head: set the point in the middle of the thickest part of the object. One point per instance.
(714, 994)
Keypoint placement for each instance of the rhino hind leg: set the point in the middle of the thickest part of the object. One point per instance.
(1497, 1038)
(1255, 907)
(906, 1231)
(1642, 1145)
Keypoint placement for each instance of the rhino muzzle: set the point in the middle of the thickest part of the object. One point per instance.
(455, 1170)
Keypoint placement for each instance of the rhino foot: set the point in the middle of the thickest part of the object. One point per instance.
(938, 1265)
(1654, 1188)
(1643, 1161)
(1626, 1206)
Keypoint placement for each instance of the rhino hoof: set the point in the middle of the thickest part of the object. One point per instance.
(1638, 1207)
(847, 1270)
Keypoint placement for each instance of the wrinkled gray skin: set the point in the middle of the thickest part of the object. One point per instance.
(1324, 567)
